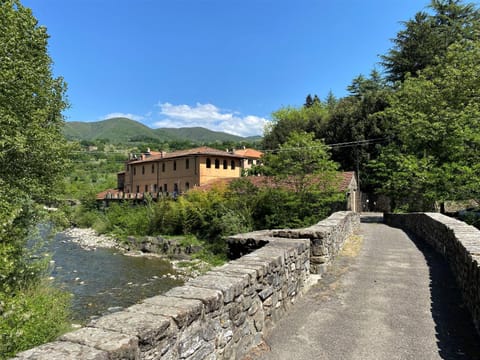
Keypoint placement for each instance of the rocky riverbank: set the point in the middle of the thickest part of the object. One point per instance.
(184, 267)
(88, 239)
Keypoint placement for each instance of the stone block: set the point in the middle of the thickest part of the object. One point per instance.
(236, 269)
(192, 344)
(319, 259)
(183, 311)
(149, 328)
(118, 345)
(261, 266)
(265, 293)
(61, 350)
(229, 286)
(212, 299)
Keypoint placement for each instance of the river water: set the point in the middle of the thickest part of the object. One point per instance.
(102, 280)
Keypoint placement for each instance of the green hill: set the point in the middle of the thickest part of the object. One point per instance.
(116, 130)
(122, 130)
(199, 134)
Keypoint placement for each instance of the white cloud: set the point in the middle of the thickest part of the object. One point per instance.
(199, 112)
(210, 117)
(124, 115)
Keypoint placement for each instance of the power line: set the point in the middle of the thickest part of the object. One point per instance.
(335, 145)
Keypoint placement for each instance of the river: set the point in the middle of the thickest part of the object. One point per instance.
(103, 280)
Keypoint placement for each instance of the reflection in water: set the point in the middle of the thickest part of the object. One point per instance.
(104, 279)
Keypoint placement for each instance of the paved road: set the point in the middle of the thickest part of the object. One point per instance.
(394, 300)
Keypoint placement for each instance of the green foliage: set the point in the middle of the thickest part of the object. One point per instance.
(33, 316)
(32, 152)
(471, 218)
(305, 184)
(425, 39)
(299, 155)
(33, 162)
(436, 122)
(282, 208)
(355, 118)
(302, 163)
(309, 118)
(405, 178)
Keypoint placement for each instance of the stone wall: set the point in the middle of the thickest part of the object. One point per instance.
(220, 315)
(326, 239)
(458, 242)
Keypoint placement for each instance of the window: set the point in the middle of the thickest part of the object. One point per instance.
(225, 164)
(187, 163)
(138, 188)
(250, 161)
(153, 168)
(174, 165)
(209, 163)
(154, 188)
(143, 170)
(163, 167)
(134, 170)
(175, 187)
(187, 185)
(232, 164)
(146, 188)
(217, 164)
(165, 188)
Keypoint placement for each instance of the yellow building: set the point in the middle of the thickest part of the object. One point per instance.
(178, 171)
(251, 157)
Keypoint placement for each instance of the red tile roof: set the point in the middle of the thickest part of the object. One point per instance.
(103, 194)
(249, 153)
(202, 150)
(344, 181)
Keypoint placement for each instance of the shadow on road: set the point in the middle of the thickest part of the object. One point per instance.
(456, 334)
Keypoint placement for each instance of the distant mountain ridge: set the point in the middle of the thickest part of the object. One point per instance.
(123, 130)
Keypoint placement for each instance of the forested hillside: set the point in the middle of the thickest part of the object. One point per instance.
(123, 131)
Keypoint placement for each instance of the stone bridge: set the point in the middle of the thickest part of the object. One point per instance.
(397, 298)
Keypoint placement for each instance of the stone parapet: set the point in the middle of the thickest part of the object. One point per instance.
(220, 315)
(459, 244)
(326, 239)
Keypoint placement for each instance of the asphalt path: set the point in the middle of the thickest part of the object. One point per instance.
(394, 298)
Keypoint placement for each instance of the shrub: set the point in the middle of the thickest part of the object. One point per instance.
(32, 317)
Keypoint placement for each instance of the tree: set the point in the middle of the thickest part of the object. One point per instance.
(298, 159)
(306, 183)
(309, 101)
(436, 126)
(426, 38)
(354, 124)
(309, 118)
(32, 163)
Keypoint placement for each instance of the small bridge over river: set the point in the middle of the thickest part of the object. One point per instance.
(406, 290)
(392, 298)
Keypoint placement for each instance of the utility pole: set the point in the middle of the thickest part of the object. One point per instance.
(357, 164)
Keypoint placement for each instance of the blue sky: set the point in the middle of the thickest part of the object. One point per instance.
(222, 64)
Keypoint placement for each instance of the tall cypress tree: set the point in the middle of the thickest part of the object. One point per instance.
(426, 38)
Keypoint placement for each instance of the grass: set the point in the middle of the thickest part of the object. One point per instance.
(352, 246)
